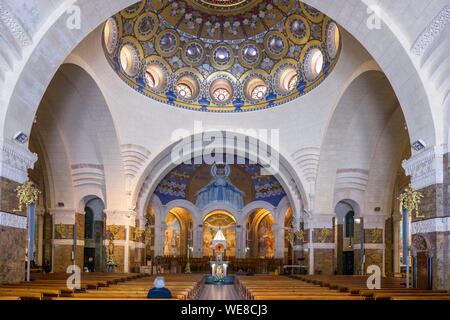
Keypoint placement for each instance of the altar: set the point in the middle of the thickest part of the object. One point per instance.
(219, 268)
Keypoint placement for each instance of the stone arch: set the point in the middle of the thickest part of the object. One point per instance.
(395, 60)
(162, 164)
(216, 206)
(252, 206)
(362, 115)
(349, 204)
(43, 62)
(79, 141)
(188, 206)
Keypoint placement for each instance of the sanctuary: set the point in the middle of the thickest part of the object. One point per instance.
(270, 144)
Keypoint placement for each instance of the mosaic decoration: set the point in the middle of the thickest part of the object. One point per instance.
(202, 54)
(186, 180)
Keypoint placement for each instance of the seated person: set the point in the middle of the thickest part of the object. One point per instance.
(159, 291)
(240, 272)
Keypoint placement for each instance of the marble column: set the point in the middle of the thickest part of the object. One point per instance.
(320, 244)
(198, 242)
(240, 243)
(279, 241)
(68, 239)
(124, 245)
(15, 160)
(40, 236)
(374, 246)
(429, 171)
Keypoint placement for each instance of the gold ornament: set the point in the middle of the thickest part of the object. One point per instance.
(114, 231)
(300, 234)
(324, 234)
(60, 230)
(138, 233)
(27, 194)
(290, 237)
(148, 235)
(410, 200)
(376, 235)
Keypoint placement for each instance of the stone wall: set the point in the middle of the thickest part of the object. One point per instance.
(389, 247)
(324, 261)
(12, 254)
(8, 197)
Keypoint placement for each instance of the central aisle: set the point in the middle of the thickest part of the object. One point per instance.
(219, 292)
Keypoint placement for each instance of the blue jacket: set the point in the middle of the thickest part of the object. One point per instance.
(162, 293)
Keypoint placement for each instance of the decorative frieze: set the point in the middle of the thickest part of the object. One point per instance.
(15, 160)
(431, 225)
(12, 220)
(13, 25)
(432, 32)
(425, 168)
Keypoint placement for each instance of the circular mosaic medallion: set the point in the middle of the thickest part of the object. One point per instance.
(297, 28)
(312, 13)
(155, 71)
(276, 45)
(167, 42)
(111, 34)
(249, 54)
(222, 56)
(333, 39)
(133, 10)
(193, 53)
(146, 26)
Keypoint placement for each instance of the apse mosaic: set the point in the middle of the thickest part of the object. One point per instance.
(172, 236)
(212, 224)
(234, 184)
(221, 56)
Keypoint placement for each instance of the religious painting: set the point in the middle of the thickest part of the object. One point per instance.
(172, 236)
(266, 238)
(241, 183)
(226, 223)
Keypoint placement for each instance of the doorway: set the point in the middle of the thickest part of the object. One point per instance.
(348, 263)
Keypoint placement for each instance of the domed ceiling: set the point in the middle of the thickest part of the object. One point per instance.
(222, 55)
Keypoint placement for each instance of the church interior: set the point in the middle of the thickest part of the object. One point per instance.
(241, 149)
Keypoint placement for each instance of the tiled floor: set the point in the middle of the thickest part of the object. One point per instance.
(219, 292)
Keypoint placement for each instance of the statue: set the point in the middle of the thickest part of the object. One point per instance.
(220, 189)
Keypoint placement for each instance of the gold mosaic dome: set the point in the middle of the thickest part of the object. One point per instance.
(219, 55)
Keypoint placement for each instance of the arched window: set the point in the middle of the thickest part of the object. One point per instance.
(349, 224)
(256, 89)
(129, 60)
(187, 88)
(110, 35)
(288, 79)
(221, 90)
(154, 76)
(333, 39)
(314, 63)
